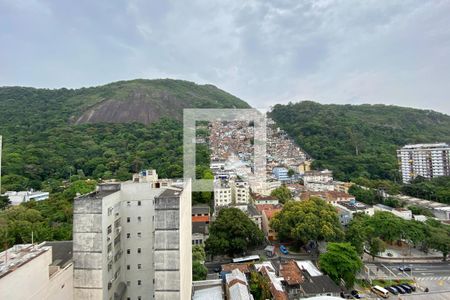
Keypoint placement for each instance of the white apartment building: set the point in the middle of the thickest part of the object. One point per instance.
(132, 241)
(231, 192)
(222, 193)
(426, 160)
(37, 272)
(240, 192)
(318, 181)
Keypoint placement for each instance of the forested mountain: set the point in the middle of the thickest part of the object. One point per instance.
(102, 132)
(359, 140)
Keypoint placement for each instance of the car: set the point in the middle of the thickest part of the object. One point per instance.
(390, 254)
(404, 269)
(406, 288)
(399, 289)
(412, 287)
(392, 290)
(355, 294)
(217, 269)
(284, 250)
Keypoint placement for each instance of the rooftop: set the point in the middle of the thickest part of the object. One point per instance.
(14, 257)
(61, 252)
(291, 272)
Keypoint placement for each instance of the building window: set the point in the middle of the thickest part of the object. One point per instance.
(128, 235)
(128, 267)
(128, 203)
(109, 229)
(128, 251)
(139, 298)
(139, 234)
(139, 203)
(139, 282)
(139, 266)
(128, 219)
(128, 284)
(139, 250)
(139, 219)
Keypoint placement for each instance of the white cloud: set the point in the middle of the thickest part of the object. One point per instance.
(394, 52)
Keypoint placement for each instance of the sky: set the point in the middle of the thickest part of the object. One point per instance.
(265, 52)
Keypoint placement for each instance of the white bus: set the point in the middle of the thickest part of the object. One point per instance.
(251, 258)
(380, 291)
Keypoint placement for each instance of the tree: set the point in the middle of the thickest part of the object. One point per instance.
(4, 202)
(198, 253)
(341, 261)
(259, 286)
(440, 240)
(232, 233)
(357, 232)
(303, 221)
(282, 193)
(199, 271)
(290, 173)
(376, 245)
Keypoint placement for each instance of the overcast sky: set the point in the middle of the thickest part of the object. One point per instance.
(265, 52)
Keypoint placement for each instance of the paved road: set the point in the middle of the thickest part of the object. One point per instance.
(439, 271)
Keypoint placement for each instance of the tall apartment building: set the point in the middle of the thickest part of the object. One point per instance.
(132, 240)
(426, 160)
(37, 272)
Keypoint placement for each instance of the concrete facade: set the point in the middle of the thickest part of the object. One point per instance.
(131, 242)
(28, 272)
(426, 160)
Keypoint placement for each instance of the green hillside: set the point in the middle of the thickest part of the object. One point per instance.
(133, 124)
(359, 140)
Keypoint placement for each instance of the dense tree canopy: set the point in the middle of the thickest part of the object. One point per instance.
(282, 193)
(302, 221)
(341, 261)
(359, 140)
(369, 231)
(436, 189)
(232, 233)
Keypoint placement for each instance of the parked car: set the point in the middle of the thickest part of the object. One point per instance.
(284, 250)
(406, 288)
(412, 287)
(393, 290)
(355, 294)
(404, 269)
(399, 289)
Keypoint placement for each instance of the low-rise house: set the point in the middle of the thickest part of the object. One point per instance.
(200, 223)
(267, 213)
(315, 283)
(420, 218)
(259, 199)
(330, 196)
(318, 180)
(292, 276)
(207, 290)
(355, 207)
(276, 283)
(237, 286)
(17, 198)
(403, 213)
